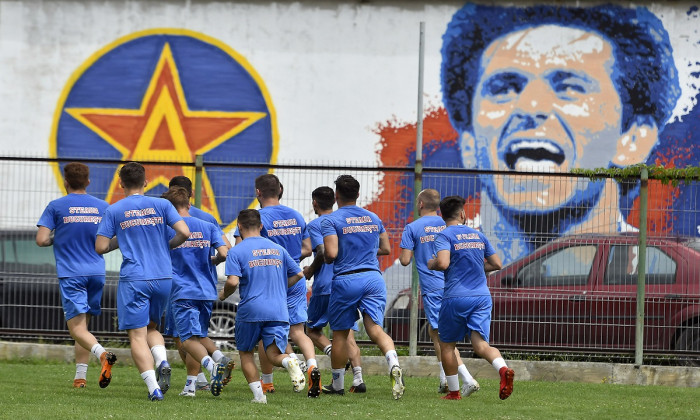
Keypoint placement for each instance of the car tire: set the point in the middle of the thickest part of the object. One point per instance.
(689, 340)
(222, 324)
(424, 334)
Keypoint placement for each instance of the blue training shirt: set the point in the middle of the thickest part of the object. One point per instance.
(418, 236)
(324, 275)
(263, 268)
(468, 247)
(358, 233)
(140, 224)
(203, 215)
(191, 261)
(75, 219)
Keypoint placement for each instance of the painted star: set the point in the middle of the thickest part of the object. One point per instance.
(164, 129)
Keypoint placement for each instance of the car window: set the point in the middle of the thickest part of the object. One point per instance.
(623, 262)
(566, 267)
(27, 252)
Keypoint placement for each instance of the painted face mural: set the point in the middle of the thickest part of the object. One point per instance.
(549, 89)
(168, 95)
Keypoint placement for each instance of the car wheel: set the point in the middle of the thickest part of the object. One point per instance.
(222, 324)
(689, 340)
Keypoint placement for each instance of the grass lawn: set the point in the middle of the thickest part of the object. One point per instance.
(44, 390)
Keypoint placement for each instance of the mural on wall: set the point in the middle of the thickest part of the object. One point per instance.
(548, 89)
(167, 95)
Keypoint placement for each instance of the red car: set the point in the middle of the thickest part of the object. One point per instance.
(579, 292)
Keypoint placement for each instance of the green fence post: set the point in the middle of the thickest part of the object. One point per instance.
(641, 270)
(198, 166)
(417, 187)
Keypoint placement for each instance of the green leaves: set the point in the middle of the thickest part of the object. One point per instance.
(666, 175)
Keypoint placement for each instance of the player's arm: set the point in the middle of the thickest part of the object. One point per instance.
(238, 240)
(226, 241)
(330, 248)
(44, 236)
(291, 281)
(182, 232)
(305, 248)
(104, 244)
(316, 264)
(384, 244)
(492, 263)
(229, 287)
(440, 262)
(220, 256)
(405, 256)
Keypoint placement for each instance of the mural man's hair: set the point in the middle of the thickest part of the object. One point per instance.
(324, 196)
(178, 196)
(645, 74)
(347, 187)
(77, 175)
(430, 199)
(268, 185)
(249, 219)
(182, 181)
(132, 175)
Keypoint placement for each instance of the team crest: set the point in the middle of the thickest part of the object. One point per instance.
(167, 95)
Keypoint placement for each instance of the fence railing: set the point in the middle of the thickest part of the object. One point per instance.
(572, 244)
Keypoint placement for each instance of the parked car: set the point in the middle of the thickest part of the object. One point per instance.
(579, 292)
(30, 303)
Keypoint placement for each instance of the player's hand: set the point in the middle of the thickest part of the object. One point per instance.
(221, 295)
(308, 272)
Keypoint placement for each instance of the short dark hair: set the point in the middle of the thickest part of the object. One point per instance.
(451, 206)
(178, 196)
(248, 219)
(347, 187)
(133, 175)
(182, 181)
(77, 175)
(324, 196)
(268, 185)
(645, 74)
(430, 199)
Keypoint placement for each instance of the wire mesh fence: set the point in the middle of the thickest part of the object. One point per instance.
(571, 245)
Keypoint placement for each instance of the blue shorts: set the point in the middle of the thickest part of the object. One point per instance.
(460, 316)
(318, 312)
(141, 302)
(431, 306)
(248, 334)
(81, 295)
(170, 329)
(364, 291)
(191, 317)
(296, 303)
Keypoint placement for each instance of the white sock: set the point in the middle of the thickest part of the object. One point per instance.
(392, 359)
(256, 387)
(338, 378)
(159, 354)
(327, 350)
(464, 374)
(452, 382)
(357, 375)
(267, 378)
(149, 377)
(97, 350)
(311, 362)
(443, 378)
(208, 364)
(217, 355)
(285, 361)
(201, 377)
(498, 363)
(81, 371)
(294, 356)
(189, 384)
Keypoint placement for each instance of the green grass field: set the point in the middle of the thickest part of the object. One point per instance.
(44, 390)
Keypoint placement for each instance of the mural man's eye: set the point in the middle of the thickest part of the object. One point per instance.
(502, 85)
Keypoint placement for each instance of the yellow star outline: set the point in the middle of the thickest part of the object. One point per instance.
(138, 133)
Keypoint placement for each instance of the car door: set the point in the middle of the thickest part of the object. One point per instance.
(615, 310)
(545, 305)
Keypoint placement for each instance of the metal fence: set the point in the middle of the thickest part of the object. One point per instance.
(571, 244)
